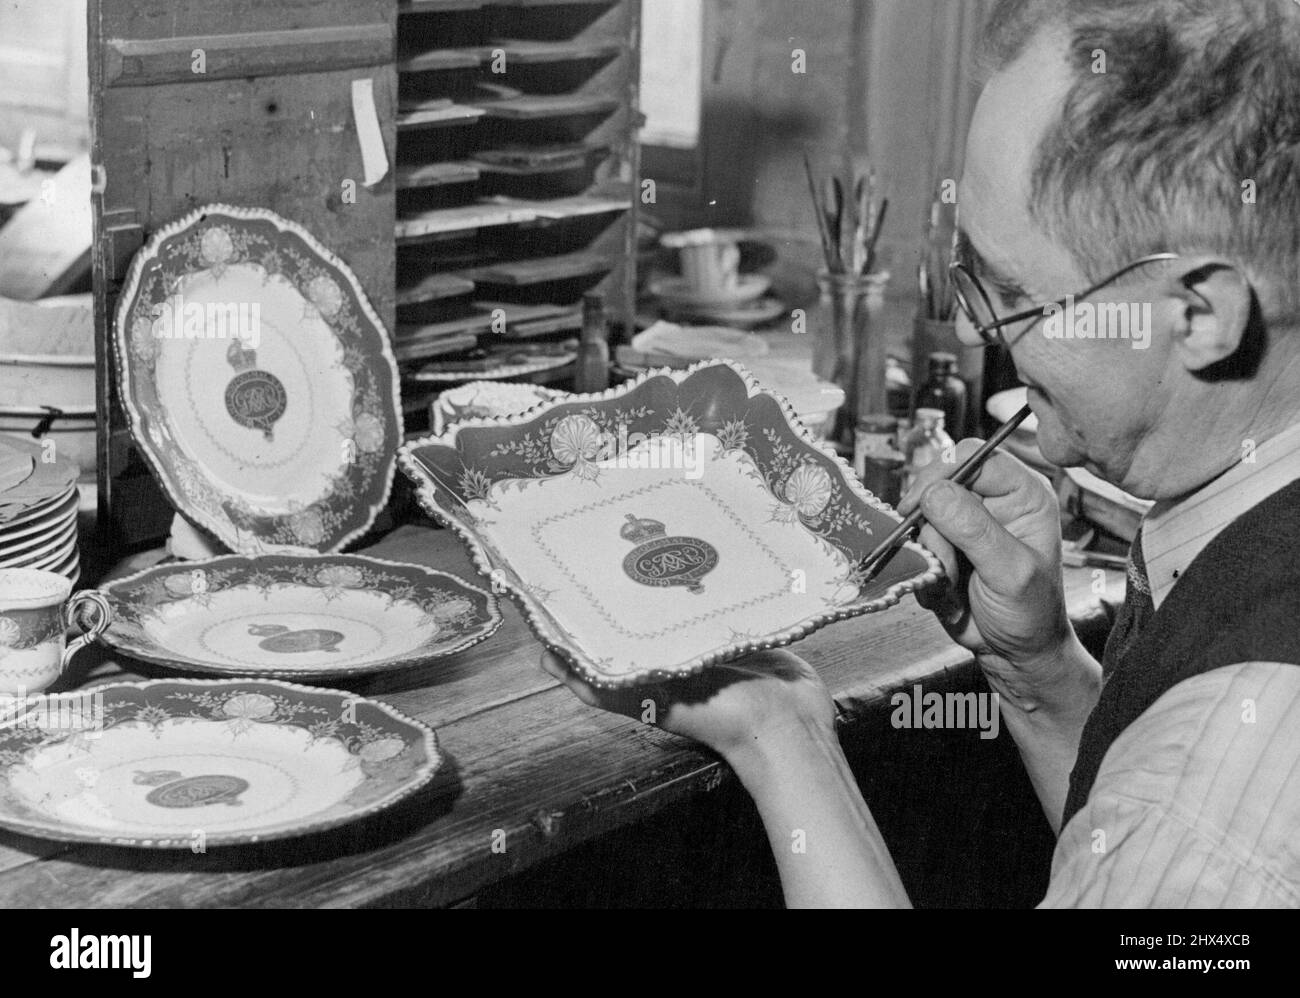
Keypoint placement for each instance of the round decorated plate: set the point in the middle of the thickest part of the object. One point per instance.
(186, 763)
(293, 616)
(259, 382)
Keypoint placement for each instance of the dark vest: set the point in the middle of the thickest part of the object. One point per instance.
(1238, 601)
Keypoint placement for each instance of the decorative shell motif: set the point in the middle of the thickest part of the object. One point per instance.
(216, 246)
(576, 438)
(10, 632)
(325, 294)
(450, 610)
(368, 432)
(143, 342)
(808, 490)
(183, 585)
(340, 576)
(308, 527)
(381, 750)
(249, 706)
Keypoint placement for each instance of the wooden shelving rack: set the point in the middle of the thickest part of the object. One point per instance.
(516, 172)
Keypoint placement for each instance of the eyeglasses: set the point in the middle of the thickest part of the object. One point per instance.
(978, 307)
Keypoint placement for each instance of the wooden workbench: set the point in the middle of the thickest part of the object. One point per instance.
(524, 758)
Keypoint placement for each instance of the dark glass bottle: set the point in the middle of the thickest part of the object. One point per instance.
(944, 391)
(591, 370)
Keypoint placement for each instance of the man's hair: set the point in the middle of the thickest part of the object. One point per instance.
(1174, 107)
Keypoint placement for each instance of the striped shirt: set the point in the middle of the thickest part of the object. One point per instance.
(1197, 803)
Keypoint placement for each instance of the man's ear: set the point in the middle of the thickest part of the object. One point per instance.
(1215, 300)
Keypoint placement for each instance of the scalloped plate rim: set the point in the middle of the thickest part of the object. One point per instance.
(185, 665)
(422, 779)
(549, 631)
(135, 420)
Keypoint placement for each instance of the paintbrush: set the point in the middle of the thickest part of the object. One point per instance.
(875, 235)
(883, 553)
(823, 230)
(835, 220)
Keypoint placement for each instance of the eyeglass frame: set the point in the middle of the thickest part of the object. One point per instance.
(991, 333)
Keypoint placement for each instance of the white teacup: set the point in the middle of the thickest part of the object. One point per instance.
(710, 261)
(36, 610)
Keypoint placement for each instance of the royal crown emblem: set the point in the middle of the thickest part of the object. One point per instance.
(658, 560)
(254, 398)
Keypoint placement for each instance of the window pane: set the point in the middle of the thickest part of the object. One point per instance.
(671, 55)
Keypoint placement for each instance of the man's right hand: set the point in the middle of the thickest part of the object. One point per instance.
(999, 540)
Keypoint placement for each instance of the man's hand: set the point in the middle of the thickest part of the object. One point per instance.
(770, 717)
(736, 709)
(1000, 543)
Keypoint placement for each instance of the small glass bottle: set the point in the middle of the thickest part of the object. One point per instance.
(924, 443)
(944, 391)
(876, 459)
(591, 370)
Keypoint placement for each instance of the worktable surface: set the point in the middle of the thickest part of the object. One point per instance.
(527, 765)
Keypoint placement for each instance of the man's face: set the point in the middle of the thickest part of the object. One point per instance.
(1095, 399)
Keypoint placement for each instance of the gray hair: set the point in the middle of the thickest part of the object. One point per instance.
(1197, 107)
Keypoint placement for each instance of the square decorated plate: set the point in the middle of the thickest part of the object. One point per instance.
(681, 520)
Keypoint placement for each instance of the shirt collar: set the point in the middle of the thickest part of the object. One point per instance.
(1174, 533)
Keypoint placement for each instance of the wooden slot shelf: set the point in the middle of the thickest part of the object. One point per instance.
(546, 3)
(528, 321)
(525, 161)
(457, 114)
(435, 111)
(460, 219)
(529, 107)
(437, 6)
(441, 347)
(527, 52)
(533, 205)
(414, 341)
(503, 211)
(558, 208)
(439, 59)
(414, 176)
(435, 287)
(523, 273)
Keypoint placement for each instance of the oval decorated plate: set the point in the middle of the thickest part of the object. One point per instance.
(295, 616)
(259, 381)
(188, 763)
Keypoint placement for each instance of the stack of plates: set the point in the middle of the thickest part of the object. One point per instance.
(38, 515)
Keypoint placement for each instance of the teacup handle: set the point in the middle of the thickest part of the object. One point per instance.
(102, 619)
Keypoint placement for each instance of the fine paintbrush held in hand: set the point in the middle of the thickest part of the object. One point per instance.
(873, 563)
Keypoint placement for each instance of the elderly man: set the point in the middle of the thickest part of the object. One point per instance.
(1132, 156)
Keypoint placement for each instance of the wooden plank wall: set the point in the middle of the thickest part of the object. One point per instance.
(269, 123)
